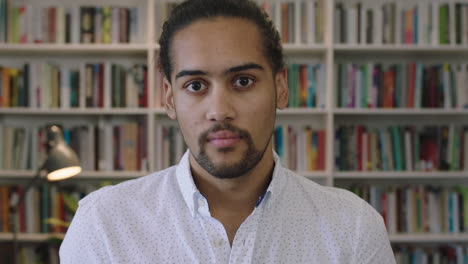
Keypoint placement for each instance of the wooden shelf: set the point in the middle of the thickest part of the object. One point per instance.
(428, 238)
(304, 49)
(75, 48)
(31, 237)
(396, 48)
(159, 111)
(85, 175)
(287, 111)
(74, 111)
(399, 111)
(401, 175)
(27, 174)
(302, 111)
(288, 48)
(394, 238)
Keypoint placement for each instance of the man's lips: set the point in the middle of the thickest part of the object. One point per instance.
(223, 138)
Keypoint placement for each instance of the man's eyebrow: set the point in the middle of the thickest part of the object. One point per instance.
(190, 73)
(244, 67)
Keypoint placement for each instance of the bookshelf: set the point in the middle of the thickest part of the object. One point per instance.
(315, 48)
(30, 237)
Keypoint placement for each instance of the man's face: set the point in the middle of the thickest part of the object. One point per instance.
(223, 94)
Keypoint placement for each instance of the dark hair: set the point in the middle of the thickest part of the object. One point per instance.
(190, 11)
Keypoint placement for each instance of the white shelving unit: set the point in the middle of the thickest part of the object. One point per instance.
(401, 175)
(77, 48)
(26, 237)
(28, 174)
(329, 117)
(402, 111)
(82, 111)
(394, 238)
(400, 48)
(428, 238)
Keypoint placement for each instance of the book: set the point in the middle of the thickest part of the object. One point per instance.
(87, 24)
(293, 142)
(106, 21)
(401, 148)
(130, 144)
(370, 84)
(417, 208)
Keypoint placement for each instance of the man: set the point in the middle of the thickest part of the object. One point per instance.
(229, 200)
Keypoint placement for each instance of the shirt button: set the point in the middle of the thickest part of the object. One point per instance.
(201, 202)
(217, 243)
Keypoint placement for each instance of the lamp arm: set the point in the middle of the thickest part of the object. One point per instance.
(18, 199)
(14, 204)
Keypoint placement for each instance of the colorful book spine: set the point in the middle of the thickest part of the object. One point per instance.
(401, 148)
(300, 148)
(411, 85)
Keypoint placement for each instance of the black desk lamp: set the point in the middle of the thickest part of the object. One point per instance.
(61, 163)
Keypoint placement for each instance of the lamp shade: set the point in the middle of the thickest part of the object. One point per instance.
(62, 162)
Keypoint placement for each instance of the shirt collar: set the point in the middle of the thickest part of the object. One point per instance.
(192, 195)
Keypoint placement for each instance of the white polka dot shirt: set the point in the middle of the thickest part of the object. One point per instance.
(163, 218)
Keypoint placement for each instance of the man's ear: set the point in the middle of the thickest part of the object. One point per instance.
(282, 91)
(169, 99)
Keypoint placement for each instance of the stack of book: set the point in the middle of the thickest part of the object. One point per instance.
(41, 203)
(300, 148)
(299, 22)
(162, 11)
(14, 86)
(453, 253)
(43, 207)
(419, 208)
(401, 148)
(411, 85)
(105, 147)
(171, 147)
(53, 86)
(36, 23)
(60, 85)
(307, 86)
(129, 86)
(401, 22)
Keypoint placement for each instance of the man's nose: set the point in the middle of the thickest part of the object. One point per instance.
(220, 104)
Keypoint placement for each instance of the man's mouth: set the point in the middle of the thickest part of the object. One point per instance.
(223, 138)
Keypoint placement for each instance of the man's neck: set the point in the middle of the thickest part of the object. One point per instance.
(231, 201)
(238, 194)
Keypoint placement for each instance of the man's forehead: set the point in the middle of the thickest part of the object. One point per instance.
(209, 41)
(207, 31)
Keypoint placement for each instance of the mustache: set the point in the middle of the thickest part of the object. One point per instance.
(243, 134)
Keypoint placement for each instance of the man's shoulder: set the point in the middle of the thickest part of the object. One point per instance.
(131, 189)
(325, 196)
(334, 204)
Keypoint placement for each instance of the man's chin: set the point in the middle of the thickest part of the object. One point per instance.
(226, 150)
(224, 163)
(227, 165)
(227, 171)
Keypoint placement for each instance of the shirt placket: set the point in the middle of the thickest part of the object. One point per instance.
(244, 242)
(215, 233)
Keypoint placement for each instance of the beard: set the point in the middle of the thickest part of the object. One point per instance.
(250, 158)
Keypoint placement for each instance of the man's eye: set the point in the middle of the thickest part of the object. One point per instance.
(243, 82)
(195, 86)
